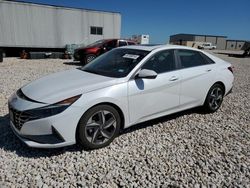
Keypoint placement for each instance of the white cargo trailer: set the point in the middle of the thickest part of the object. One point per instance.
(30, 25)
(141, 39)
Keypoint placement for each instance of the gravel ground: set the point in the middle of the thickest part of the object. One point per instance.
(188, 149)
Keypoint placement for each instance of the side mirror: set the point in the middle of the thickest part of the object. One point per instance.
(148, 74)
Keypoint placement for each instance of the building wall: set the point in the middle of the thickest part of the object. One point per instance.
(178, 39)
(211, 40)
(239, 45)
(221, 43)
(235, 45)
(230, 45)
(199, 38)
(32, 25)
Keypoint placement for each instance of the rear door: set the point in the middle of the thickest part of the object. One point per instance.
(197, 76)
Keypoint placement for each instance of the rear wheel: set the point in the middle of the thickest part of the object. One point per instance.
(214, 98)
(98, 127)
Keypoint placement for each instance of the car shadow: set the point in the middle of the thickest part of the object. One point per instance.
(74, 63)
(143, 125)
(11, 143)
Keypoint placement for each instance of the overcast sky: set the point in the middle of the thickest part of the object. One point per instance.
(162, 18)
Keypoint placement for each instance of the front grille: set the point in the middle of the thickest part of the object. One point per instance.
(18, 118)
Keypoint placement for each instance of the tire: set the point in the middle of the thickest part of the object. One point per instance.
(89, 58)
(98, 127)
(1, 55)
(83, 62)
(214, 98)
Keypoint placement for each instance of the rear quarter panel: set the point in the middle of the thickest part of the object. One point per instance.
(222, 73)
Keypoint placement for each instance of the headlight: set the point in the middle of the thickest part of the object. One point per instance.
(51, 110)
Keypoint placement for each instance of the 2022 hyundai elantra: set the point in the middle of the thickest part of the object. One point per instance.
(123, 87)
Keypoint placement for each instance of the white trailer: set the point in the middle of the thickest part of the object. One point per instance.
(141, 39)
(30, 25)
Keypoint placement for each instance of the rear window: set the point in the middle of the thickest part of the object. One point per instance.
(190, 58)
(207, 59)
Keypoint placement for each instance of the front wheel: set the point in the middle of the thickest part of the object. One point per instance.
(214, 98)
(89, 58)
(98, 127)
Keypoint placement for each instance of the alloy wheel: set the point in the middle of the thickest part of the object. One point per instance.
(90, 58)
(216, 97)
(100, 127)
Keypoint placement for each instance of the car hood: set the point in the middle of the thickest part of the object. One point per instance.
(59, 86)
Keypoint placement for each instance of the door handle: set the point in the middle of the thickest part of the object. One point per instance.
(208, 70)
(173, 78)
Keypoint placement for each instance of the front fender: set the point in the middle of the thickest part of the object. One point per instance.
(116, 95)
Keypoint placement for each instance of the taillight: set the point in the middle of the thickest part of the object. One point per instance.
(231, 69)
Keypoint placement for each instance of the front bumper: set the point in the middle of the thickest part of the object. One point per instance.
(40, 141)
(51, 132)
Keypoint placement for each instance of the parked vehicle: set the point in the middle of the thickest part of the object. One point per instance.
(123, 87)
(207, 46)
(90, 52)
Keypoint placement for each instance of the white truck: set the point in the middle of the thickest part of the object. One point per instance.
(207, 46)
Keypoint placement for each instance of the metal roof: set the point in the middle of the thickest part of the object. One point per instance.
(238, 40)
(200, 35)
(59, 6)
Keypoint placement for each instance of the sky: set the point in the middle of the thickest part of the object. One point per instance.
(162, 18)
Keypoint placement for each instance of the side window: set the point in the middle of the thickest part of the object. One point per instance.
(122, 43)
(190, 58)
(207, 60)
(131, 43)
(111, 44)
(161, 62)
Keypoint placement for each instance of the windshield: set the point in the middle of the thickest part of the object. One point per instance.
(97, 43)
(116, 63)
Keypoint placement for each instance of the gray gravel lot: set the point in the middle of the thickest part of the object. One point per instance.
(187, 149)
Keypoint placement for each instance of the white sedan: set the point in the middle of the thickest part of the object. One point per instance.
(126, 86)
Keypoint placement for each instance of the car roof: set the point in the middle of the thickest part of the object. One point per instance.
(156, 47)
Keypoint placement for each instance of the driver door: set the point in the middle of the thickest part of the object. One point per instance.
(151, 98)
